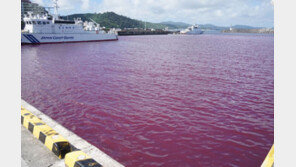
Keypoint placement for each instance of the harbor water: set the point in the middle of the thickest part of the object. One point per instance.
(165, 100)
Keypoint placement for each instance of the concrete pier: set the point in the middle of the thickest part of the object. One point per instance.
(34, 153)
(142, 32)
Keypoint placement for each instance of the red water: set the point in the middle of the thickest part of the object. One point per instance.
(160, 100)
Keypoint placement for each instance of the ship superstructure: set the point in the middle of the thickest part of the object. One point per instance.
(45, 28)
(192, 30)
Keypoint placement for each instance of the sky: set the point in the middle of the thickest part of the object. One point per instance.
(258, 13)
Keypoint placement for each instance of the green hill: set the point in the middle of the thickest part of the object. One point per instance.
(212, 27)
(113, 20)
(175, 25)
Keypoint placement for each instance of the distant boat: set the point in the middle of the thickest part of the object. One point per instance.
(192, 30)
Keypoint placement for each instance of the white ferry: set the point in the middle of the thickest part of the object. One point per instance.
(41, 29)
(193, 30)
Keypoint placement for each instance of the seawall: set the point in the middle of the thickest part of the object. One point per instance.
(78, 142)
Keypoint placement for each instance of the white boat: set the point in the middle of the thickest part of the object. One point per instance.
(192, 30)
(41, 29)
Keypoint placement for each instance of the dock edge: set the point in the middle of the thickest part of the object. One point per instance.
(78, 142)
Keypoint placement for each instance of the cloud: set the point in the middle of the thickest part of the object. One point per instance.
(221, 12)
(40, 2)
(85, 4)
(67, 5)
(74, 4)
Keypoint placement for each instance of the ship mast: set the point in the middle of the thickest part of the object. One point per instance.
(56, 12)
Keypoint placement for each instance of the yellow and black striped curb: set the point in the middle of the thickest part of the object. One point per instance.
(269, 160)
(80, 159)
(50, 138)
(60, 146)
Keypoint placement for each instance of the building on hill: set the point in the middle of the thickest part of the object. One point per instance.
(28, 6)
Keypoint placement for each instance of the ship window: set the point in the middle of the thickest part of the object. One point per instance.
(39, 22)
(47, 22)
(30, 22)
(34, 22)
(44, 22)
